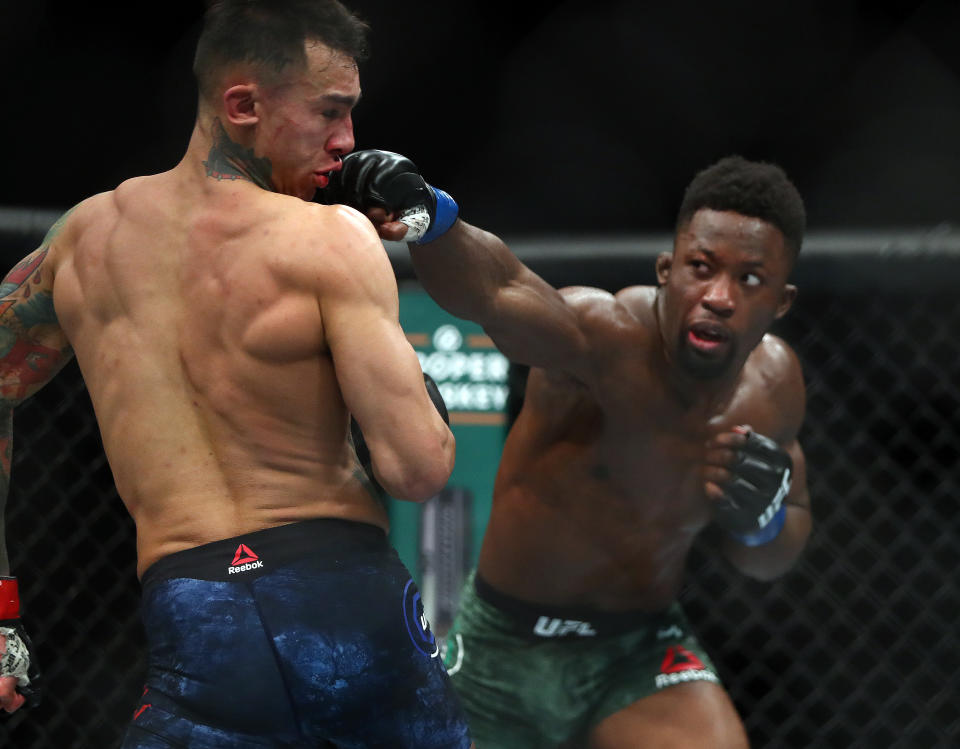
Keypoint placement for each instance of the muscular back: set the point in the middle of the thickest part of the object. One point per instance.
(194, 316)
(599, 494)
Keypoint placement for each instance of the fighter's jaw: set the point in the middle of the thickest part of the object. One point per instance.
(704, 358)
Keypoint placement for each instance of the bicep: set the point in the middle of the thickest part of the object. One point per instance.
(33, 347)
(472, 274)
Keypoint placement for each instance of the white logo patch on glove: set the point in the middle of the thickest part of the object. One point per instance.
(417, 220)
(16, 660)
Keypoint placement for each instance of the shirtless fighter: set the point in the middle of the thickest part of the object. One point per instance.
(649, 414)
(226, 328)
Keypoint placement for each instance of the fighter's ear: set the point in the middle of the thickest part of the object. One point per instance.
(239, 104)
(664, 264)
(786, 300)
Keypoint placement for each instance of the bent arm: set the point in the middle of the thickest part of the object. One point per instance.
(33, 348)
(771, 560)
(473, 275)
(411, 448)
(788, 399)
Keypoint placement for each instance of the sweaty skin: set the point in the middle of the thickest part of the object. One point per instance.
(226, 332)
(622, 446)
(635, 407)
(202, 345)
(600, 494)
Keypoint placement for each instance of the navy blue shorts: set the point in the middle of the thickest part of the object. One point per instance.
(305, 635)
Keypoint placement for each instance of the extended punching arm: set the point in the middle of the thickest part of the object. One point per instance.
(469, 272)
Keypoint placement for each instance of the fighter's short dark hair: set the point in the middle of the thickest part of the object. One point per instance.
(752, 188)
(272, 34)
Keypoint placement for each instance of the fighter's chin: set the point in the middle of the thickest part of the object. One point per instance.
(704, 367)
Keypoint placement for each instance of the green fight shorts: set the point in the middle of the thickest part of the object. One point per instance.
(533, 677)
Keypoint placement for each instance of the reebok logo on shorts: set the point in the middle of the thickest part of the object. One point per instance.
(680, 665)
(244, 560)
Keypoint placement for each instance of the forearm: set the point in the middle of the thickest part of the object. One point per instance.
(465, 269)
(469, 272)
(771, 560)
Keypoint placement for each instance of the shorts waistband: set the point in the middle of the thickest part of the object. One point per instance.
(543, 622)
(223, 560)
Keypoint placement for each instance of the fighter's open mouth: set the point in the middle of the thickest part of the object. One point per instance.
(709, 332)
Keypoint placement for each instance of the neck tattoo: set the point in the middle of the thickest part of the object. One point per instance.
(229, 160)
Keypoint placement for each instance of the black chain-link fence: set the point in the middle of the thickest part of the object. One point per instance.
(856, 647)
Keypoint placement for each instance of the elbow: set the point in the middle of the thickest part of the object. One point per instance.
(758, 564)
(764, 574)
(770, 561)
(417, 479)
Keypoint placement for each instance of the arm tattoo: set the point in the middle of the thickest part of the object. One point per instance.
(23, 270)
(229, 160)
(6, 443)
(29, 329)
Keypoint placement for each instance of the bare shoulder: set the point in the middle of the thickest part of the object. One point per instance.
(639, 299)
(778, 360)
(600, 310)
(334, 248)
(96, 208)
(778, 368)
(96, 212)
(587, 299)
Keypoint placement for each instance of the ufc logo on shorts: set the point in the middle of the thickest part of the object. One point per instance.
(549, 627)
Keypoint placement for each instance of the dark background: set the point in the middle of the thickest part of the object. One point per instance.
(538, 116)
(549, 120)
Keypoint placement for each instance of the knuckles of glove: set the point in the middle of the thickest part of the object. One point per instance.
(365, 180)
(748, 485)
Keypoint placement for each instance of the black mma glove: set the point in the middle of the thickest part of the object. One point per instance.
(360, 443)
(381, 179)
(20, 660)
(753, 509)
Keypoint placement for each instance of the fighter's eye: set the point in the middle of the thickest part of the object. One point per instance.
(752, 279)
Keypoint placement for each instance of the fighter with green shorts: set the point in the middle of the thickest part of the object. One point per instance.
(532, 677)
(649, 415)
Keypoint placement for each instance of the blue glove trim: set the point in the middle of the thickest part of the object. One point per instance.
(447, 212)
(766, 534)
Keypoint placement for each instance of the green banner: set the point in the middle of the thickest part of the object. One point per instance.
(472, 377)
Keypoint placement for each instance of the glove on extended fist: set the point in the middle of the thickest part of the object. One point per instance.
(382, 179)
